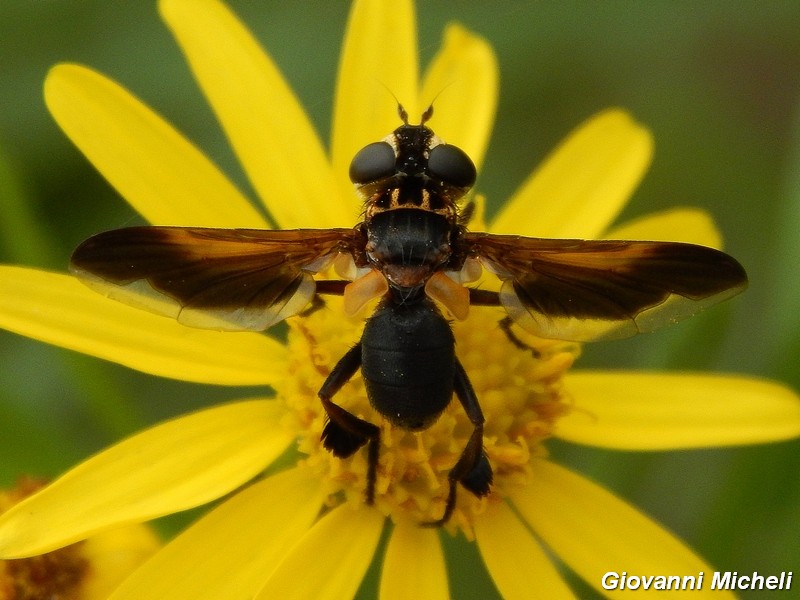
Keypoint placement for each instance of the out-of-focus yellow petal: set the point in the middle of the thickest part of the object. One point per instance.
(414, 565)
(182, 463)
(584, 183)
(158, 171)
(329, 562)
(265, 123)
(660, 411)
(462, 84)
(230, 552)
(114, 554)
(690, 225)
(517, 563)
(59, 310)
(595, 532)
(378, 60)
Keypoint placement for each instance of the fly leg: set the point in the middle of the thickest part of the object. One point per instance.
(472, 470)
(505, 324)
(488, 298)
(324, 286)
(344, 433)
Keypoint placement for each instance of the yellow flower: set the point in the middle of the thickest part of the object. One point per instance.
(305, 530)
(88, 570)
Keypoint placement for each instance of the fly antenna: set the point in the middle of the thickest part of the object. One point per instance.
(402, 112)
(426, 116)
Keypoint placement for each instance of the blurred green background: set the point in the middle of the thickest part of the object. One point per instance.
(717, 82)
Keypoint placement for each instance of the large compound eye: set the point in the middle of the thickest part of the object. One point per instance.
(450, 164)
(373, 162)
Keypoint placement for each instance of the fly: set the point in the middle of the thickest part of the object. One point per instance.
(411, 251)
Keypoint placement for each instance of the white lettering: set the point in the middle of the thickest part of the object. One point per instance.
(689, 582)
(613, 580)
(610, 580)
(757, 580)
(662, 583)
(721, 581)
(731, 580)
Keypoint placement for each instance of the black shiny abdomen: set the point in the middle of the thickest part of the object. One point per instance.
(408, 362)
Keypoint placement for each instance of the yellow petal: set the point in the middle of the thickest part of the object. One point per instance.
(329, 562)
(690, 225)
(595, 532)
(113, 556)
(584, 183)
(462, 84)
(60, 310)
(230, 552)
(660, 411)
(379, 60)
(414, 565)
(268, 129)
(158, 171)
(519, 566)
(177, 465)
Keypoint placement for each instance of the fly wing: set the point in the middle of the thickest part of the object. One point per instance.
(229, 279)
(583, 290)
